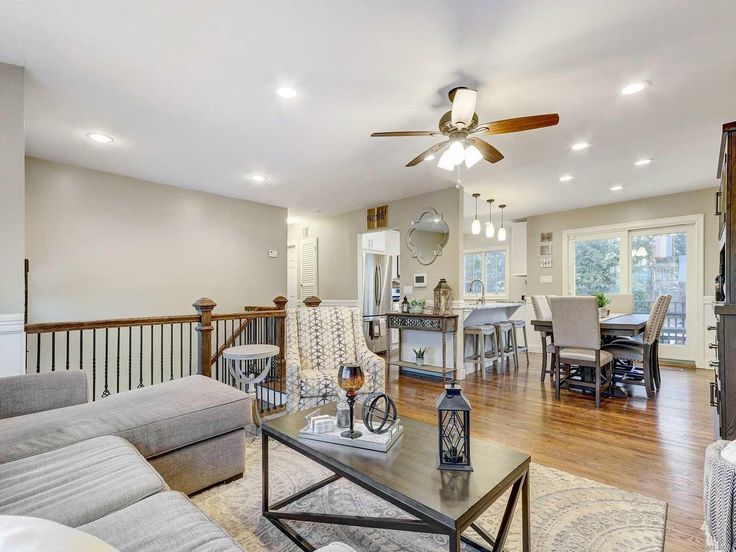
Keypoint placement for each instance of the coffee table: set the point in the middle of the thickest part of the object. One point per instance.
(443, 502)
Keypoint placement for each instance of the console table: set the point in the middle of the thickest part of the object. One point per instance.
(445, 324)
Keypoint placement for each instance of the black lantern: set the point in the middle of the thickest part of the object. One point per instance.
(453, 411)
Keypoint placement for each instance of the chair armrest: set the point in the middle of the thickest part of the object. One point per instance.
(293, 364)
(31, 393)
(374, 367)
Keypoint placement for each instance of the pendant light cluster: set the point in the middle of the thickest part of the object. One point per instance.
(490, 228)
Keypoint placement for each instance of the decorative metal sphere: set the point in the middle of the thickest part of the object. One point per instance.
(379, 413)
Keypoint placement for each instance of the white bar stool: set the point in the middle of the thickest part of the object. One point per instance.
(253, 373)
(506, 341)
(481, 352)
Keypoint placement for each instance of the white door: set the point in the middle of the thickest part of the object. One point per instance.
(308, 269)
(291, 275)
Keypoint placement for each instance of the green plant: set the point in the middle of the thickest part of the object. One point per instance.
(419, 353)
(416, 302)
(602, 300)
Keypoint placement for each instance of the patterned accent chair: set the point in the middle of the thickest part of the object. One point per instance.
(318, 341)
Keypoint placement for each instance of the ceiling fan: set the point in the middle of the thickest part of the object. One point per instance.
(461, 127)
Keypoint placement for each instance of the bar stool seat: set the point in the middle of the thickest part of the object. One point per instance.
(506, 341)
(525, 347)
(482, 352)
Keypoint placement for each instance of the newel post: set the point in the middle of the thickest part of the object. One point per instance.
(312, 301)
(204, 308)
(280, 302)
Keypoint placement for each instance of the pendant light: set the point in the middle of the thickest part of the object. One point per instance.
(490, 229)
(475, 227)
(502, 230)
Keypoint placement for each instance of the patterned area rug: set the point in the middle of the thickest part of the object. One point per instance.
(568, 513)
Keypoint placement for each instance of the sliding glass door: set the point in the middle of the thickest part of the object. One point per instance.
(645, 262)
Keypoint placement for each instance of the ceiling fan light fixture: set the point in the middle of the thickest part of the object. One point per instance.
(456, 152)
(446, 162)
(472, 156)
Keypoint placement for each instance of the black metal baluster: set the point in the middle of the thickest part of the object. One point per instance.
(67, 349)
(171, 352)
(81, 349)
(151, 354)
(106, 390)
(38, 353)
(117, 365)
(181, 350)
(190, 348)
(53, 351)
(161, 329)
(217, 344)
(140, 361)
(130, 357)
(94, 363)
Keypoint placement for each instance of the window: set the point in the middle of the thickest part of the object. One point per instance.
(490, 268)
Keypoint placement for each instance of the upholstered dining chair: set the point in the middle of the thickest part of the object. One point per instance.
(540, 304)
(318, 341)
(577, 334)
(621, 303)
(645, 351)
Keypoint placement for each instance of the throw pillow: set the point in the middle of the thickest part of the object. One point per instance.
(29, 534)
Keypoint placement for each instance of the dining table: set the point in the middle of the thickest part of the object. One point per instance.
(612, 326)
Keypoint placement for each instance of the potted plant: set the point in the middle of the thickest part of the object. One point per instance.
(416, 306)
(603, 303)
(419, 355)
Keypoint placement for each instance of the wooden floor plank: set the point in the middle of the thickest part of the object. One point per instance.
(655, 447)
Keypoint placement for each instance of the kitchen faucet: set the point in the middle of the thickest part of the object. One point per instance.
(482, 300)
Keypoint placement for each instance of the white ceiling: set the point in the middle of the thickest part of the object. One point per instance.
(187, 90)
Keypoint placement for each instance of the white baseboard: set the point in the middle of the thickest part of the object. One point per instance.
(12, 345)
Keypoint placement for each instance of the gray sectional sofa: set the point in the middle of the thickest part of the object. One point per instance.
(120, 468)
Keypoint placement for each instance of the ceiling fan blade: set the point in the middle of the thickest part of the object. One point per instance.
(518, 124)
(463, 106)
(419, 158)
(408, 133)
(488, 152)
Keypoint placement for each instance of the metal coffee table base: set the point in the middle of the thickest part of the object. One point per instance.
(272, 512)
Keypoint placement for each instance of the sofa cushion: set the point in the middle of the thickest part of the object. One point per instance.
(29, 534)
(77, 484)
(154, 419)
(165, 521)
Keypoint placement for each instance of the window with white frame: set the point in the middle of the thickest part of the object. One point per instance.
(491, 268)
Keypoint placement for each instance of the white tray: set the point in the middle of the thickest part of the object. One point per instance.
(368, 441)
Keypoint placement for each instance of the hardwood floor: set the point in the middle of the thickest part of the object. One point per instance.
(656, 447)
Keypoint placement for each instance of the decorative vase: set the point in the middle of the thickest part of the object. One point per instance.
(603, 312)
(420, 361)
(416, 309)
(350, 378)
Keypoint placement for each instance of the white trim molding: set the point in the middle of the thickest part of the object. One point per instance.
(12, 345)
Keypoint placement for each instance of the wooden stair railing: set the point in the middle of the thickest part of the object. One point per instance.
(125, 353)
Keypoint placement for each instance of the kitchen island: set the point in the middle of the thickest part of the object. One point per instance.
(431, 331)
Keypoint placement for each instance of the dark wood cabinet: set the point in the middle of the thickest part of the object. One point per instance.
(723, 386)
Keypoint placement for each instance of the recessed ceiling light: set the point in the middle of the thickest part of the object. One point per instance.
(100, 138)
(566, 178)
(634, 88)
(258, 178)
(580, 146)
(429, 157)
(642, 162)
(286, 92)
(617, 188)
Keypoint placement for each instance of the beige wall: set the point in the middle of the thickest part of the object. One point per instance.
(338, 253)
(102, 245)
(687, 203)
(12, 147)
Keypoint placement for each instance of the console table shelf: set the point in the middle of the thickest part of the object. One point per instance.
(445, 324)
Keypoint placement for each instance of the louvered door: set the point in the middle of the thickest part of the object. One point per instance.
(309, 269)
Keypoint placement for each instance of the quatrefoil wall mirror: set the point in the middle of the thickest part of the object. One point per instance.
(427, 236)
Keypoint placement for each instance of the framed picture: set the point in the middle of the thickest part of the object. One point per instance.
(545, 249)
(545, 236)
(545, 262)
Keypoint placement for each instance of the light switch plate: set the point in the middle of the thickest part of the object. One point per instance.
(273, 253)
(408, 290)
(545, 279)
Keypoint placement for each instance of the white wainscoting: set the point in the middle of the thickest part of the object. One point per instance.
(12, 345)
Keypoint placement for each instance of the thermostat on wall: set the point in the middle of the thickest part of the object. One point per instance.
(273, 253)
(420, 280)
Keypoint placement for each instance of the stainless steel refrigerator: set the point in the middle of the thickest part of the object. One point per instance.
(377, 298)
